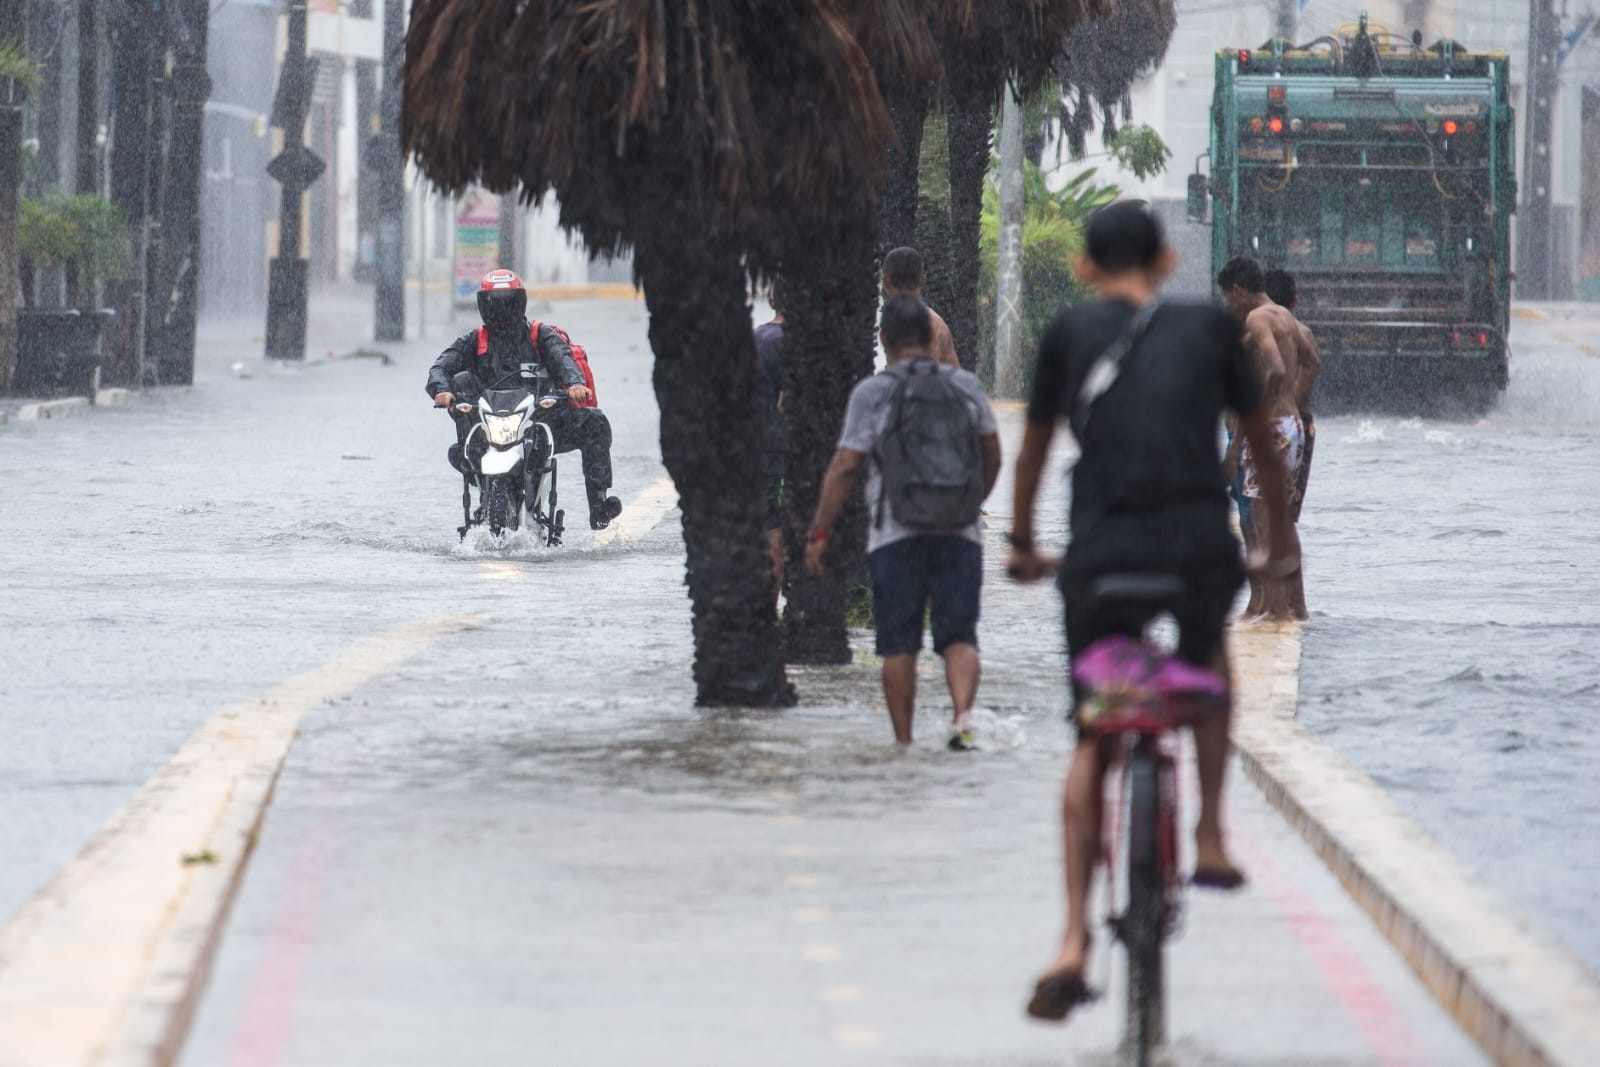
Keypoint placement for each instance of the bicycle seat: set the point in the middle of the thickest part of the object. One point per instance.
(1146, 590)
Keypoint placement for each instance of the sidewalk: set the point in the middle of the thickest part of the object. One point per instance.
(606, 876)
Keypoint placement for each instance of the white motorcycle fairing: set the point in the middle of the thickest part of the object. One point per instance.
(497, 461)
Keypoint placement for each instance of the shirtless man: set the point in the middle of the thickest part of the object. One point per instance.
(1274, 341)
(1280, 290)
(903, 275)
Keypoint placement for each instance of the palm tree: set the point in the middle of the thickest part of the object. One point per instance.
(830, 276)
(987, 43)
(1103, 57)
(709, 137)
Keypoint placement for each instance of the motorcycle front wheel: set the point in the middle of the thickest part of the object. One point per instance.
(500, 506)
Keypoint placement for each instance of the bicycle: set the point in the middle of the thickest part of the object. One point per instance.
(1141, 695)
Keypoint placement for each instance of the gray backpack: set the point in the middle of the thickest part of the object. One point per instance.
(929, 454)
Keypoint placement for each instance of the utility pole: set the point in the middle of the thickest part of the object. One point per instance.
(296, 169)
(1008, 288)
(13, 37)
(389, 296)
(1535, 239)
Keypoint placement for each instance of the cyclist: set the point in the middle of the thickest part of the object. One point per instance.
(1147, 495)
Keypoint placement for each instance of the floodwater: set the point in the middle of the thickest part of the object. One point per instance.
(1455, 598)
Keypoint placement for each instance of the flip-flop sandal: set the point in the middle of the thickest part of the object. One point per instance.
(1227, 880)
(1057, 994)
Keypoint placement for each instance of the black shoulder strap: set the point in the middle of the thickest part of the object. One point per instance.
(1107, 366)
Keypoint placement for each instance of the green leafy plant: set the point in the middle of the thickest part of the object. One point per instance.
(84, 232)
(1140, 150)
(1052, 236)
(15, 64)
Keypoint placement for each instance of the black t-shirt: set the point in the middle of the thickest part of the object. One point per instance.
(769, 351)
(1149, 469)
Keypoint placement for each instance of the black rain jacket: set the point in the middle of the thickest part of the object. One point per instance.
(503, 362)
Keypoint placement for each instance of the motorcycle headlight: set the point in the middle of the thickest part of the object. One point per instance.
(503, 429)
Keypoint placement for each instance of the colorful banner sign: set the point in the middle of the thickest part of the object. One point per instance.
(477, 243)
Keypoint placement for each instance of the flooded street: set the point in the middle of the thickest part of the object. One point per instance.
(1455, 600)
(526, 832)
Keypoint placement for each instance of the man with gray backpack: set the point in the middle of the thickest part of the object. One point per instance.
(927, 438)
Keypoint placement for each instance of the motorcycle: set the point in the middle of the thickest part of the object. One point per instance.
(509, 456)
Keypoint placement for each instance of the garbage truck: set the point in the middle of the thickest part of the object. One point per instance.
(1381, 175)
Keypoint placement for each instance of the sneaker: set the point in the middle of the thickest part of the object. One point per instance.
(963, 740)
(600, 515)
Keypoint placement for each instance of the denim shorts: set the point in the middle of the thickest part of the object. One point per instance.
(941, 576)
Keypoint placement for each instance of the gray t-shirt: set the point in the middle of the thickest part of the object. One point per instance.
(864, 423)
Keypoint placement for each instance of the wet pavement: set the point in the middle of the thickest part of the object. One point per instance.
(526, 846)
(1454, 589)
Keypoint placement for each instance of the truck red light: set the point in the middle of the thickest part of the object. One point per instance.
(1275, 125)
(1277, 93)
(1256, 125)
(1450, 127)
(1244, 56)
(1483, 339)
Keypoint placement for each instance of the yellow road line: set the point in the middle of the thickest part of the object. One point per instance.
(105, 965)
(1520, 996)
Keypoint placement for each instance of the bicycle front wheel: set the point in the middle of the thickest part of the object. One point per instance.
(1143, 927)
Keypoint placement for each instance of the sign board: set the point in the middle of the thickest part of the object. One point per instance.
(477, 243)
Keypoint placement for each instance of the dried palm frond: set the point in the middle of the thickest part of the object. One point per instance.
(761, 113)
(1016, 39)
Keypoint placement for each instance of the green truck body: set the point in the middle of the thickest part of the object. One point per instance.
(1384, 181)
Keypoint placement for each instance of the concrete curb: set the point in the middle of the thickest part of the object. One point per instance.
(105, 967)
(1520, 996)
(52, 409)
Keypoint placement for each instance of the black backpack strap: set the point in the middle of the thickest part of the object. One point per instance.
(1106, 368)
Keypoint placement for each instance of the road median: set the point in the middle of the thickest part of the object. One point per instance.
(104, 967)
(1520, 996)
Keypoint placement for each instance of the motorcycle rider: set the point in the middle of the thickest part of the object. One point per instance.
(497, 355)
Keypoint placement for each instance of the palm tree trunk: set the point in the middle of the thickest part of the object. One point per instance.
(970, 107)
(907, 99)
(828, 348)
(711, 429)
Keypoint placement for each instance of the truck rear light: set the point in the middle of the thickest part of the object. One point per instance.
(1275, 124)
(1257, 125)
(1295, 125)
(1455, 337)
(1471, 127)
(1277, 94)
(1483, 340)
(1450, 127)
(1244, 56)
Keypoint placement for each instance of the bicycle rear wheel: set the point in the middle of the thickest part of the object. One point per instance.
(1143, 926)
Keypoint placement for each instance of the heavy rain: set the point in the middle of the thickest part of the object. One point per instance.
(975, 532)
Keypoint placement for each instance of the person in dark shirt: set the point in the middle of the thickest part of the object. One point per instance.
(1148, 495)
(769, 352)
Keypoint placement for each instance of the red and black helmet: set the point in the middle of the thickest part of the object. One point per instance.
(501, 299)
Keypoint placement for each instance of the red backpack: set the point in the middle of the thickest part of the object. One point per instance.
(578, 354)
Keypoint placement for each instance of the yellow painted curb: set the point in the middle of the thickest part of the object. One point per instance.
(1520, 996)
(104, 968)
(1528, 314)
(597, 291)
